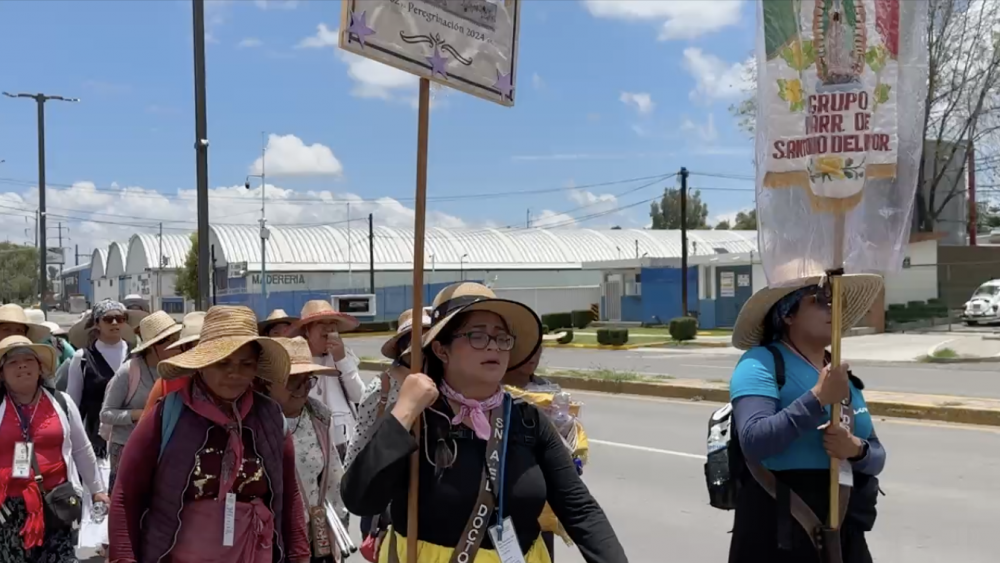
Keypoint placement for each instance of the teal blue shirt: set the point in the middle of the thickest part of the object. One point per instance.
(754, 376)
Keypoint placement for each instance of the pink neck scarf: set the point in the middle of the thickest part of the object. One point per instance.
(473, 411)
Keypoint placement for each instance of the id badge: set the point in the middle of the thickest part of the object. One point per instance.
(845, 473)
(21, 467)
(229, 529)
(505, 542)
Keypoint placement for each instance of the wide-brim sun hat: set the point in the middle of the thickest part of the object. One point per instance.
(319, 310)
(79, 334)
(154, 329)
(54, 329)
(190, 329)
(277, 316)
(226, 329)
(462, 297)
(404, 327)
(13, 314)
(859, 290)
(301, 358)
(46, 354)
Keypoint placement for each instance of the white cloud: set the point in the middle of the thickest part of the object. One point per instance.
(641, 101)
(595, 209)
(729, 217)
(287, 155)
(706, 132)
(715, 79)
(277, 4)
(325, 37)
(679, 19)
(98, 216)
(250, 42)
(537, 82)
(371, 78)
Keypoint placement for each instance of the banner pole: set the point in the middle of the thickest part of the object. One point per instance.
(836, 326)
(416, 351)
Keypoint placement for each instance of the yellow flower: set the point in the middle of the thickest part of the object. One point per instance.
(793, 91)
(832, 165)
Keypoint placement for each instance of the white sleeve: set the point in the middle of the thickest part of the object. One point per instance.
(354, 387)
(74, 386)
(83, 452)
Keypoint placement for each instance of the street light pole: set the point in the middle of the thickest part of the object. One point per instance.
(201, 152)
(40, 100)
(264, 234)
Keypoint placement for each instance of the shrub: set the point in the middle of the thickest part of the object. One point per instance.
(566, 338)
(612, 336)
(545, 329)
(558, 321)
(582, 318)
(381, 326)
(684, 328)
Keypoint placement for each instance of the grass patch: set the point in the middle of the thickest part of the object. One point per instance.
(591, 338)
(715, 380)
(944, 353)
(603, 374)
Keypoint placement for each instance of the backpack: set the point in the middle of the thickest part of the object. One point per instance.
(172, 405)
(725, 464)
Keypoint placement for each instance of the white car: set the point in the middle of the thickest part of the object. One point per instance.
(984, 306)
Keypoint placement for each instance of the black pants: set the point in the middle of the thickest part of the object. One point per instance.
(550, 543)
(755, 529)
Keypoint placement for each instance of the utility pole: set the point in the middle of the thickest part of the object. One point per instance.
(215, 290)
(40, 100)
(264, 233)
(350, 244)
(527, 220)
(201, 149)
(76, 255)
(684, 243)
(159, 273)
(636, 249)
(371, 252)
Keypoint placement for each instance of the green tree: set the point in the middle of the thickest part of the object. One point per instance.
(666, 213)
(187, 275)
(746, 221)
(987, 216)
(18, 273)
(723, 226)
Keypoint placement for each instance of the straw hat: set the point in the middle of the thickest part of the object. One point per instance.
(404, 328)
(35, 316)
(860, 291)
(135, 299)
(461, 297)
(14, 314)
(226, 329)
(301, 357)
(46, 354)
(191, 329)
(155, 328)
(277, 316)
(54, 329)
(79, 333)
(320, 310)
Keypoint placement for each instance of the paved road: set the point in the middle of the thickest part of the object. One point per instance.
(972, 380)
(646, 471)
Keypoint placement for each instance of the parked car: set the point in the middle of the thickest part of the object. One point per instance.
(984, 306)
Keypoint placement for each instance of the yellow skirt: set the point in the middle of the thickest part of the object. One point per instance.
(430, 553)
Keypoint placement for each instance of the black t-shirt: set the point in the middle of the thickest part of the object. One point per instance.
(538, 470)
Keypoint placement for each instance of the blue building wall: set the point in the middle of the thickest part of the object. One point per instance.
(661, 296)
(390, 301)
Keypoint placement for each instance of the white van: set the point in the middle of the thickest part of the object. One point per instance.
(984, 306)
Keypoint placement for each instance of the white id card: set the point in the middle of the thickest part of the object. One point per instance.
(846, 473)
(229, 529)
(508, 548)
(21, 468)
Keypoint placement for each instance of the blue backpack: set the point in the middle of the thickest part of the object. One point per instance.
(172, 405)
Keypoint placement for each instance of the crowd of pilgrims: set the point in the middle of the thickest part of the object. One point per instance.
(229, 439)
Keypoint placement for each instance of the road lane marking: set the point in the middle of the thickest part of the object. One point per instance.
(646, 449)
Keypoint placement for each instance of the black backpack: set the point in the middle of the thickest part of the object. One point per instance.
(725, 464)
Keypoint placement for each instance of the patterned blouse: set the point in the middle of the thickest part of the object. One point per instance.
(251, 483)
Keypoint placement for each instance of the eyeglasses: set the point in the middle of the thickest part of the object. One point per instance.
(823, 295)
(305, 385)
(113, 319)
(481, 340)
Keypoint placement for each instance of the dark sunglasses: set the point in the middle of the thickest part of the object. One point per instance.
(822, 295)
(113, 319)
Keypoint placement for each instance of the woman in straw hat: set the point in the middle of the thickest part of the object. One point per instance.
(471, 432)
(321, 326)
(103, 341)
(14, 321)
(41, 434)
(317, 465)
(186, 339)
(213, 453)
(783, 430)
(277, 324)
(128, 389)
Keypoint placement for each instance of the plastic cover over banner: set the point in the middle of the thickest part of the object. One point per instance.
(841, 87)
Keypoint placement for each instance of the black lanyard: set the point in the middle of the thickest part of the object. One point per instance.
(23, 420)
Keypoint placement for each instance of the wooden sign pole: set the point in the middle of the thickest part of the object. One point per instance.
(837, 314)
(416, 333)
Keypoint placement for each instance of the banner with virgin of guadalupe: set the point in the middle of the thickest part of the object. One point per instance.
(841, 87)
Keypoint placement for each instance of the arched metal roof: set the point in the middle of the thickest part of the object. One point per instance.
(144, 251)
(325, 248)
(75, 269)
(100, 261)
(116, 260)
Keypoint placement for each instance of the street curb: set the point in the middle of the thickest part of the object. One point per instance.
(365, 334)
(931, 359)
(650, 344)
(719, 393)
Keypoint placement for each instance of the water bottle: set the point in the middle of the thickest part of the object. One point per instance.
(559, 413)
(715, 440)
(99, 512)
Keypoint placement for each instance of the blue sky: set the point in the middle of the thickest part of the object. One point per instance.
(606, 92)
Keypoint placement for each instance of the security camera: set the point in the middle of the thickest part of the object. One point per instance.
(247, 185)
